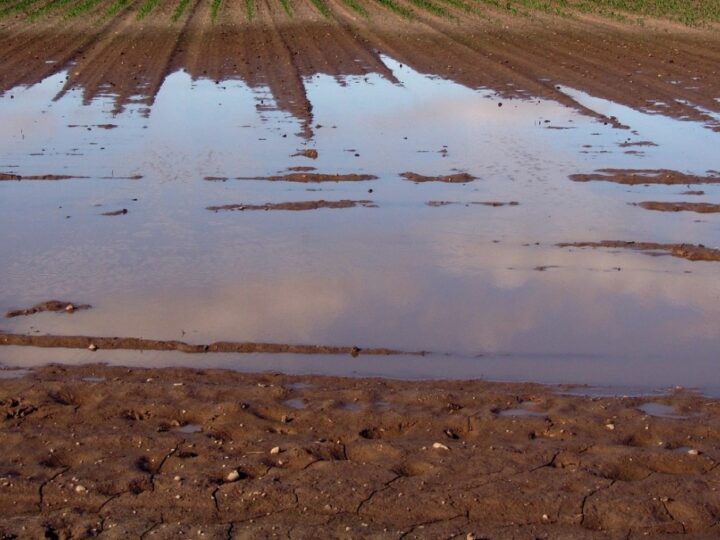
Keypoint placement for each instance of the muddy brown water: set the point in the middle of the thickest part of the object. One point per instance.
(458, 281)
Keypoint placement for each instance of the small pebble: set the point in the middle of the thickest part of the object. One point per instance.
(610, 426)
(80, 489)
(233, 476)
(92, 347)
(693, 452)
(275, 450)
(440, 446)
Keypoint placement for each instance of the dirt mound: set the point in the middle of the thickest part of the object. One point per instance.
(700, 208)
(456, 178)
(634, 177)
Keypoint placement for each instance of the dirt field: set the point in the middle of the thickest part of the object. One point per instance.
(660, 66)
(115, 452)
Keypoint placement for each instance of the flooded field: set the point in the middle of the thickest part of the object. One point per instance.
(395, 210)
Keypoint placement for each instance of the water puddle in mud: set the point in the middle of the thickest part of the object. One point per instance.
(521, 412)
(479, 284)
(189, 428)
(660, 410)
(295, 403)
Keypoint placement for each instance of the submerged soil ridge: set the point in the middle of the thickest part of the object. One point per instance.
(112, 52)
(140, 344)
(298, 206)
(634, 177)
(98, 451)
(691, 252)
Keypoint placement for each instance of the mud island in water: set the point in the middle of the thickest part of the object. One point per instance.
(509, 331)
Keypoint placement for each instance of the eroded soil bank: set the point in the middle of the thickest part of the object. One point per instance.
(115, 452)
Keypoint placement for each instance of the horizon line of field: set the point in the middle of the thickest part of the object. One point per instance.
(615, 9)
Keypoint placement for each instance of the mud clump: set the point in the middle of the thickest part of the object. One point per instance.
(55, 306)
(311, 154)
(312, 177)
(457, 178)
(294, 206)
(635, 177)
(116, 212)
(700, 208)
(691, 252)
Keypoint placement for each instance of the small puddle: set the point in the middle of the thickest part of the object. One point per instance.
(660, 410)
(352, 407)
(188, 428)
(11, 373)
(93, 379)
(295, 403)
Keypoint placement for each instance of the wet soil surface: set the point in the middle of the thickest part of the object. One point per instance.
(306, 177)
(642, 177)
(457, 178)
(140, 344)
(293, 206)
(700, 208)
(98, 451)
(50, 305)
(682, 251)
(437, 204)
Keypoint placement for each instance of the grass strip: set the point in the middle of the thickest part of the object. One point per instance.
(398, 10)
(356, 7)
(249, 10)
(286, 6)
(179, 10)
(146, 8)
(322, 7)
(215, 9)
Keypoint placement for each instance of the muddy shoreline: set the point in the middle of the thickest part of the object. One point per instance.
(111, 451)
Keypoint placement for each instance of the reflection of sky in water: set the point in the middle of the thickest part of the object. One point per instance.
(454, 279)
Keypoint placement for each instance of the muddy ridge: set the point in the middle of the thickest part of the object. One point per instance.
(457, 178)
(700, 208)
(309, 177)
(294, 206)
(49, 177)
(690, 252)
(112, 451)
(437, 204)
(51, 305)
(141, 344)
(645, 176)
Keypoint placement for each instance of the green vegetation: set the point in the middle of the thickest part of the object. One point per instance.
(690, 12)
(355, 6)
(47, 8)
(432, 8)
(399, 10)
(146, 8)
(82, 7)
(23, 5)
(116, 7)
(322, 7)
(215, 9)
(179, 10)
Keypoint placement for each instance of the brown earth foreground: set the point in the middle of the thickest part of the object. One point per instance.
(168, 453)
(690, 252)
